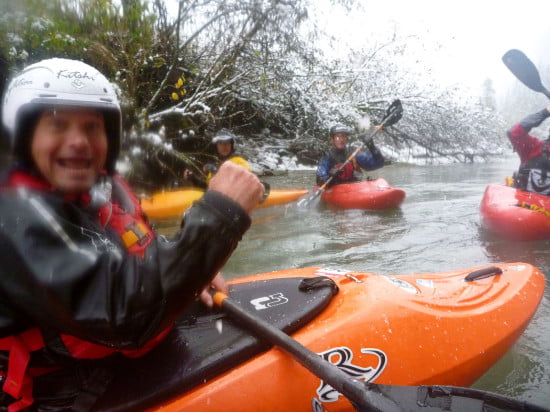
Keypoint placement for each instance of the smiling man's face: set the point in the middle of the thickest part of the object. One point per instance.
(69, 148)
(339, 140)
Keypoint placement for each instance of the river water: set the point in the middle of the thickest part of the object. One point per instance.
(435, 230)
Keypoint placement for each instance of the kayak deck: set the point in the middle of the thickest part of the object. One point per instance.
(205, 343)
(173, 203)
(170, 203)
(515, 214)
(371, 194)
(280, 197)
(425, 329)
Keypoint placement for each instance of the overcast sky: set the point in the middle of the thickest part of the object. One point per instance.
(464, 39)
(473, 34)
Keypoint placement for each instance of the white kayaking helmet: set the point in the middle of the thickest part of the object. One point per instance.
(53, 83)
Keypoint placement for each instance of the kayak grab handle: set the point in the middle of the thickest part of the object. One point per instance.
(483, 273)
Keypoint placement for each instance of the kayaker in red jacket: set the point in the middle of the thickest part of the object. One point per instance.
(338, 154)
(534, 170)
(83, 278)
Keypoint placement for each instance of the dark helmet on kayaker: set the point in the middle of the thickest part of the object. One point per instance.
(339, 128)
(223, 135)
(59, 83)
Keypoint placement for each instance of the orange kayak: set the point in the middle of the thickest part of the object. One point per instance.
(173, 203)
(419, 329)
(514, 214)
(372, 194)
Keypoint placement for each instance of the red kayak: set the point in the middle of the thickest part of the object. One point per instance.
(373, 194)
(514, 214)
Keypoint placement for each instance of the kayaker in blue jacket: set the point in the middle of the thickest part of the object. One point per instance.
(533, 174)
(338, 153)
(83, 278)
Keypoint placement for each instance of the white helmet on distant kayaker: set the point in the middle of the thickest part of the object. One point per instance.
(339, 128)
(59, 83)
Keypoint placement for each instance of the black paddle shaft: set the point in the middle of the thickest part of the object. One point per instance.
(373, 397)
(524, 69)
(352, 389)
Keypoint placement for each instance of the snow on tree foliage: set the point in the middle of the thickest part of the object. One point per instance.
(246, 65)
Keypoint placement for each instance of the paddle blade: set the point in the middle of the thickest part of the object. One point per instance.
(310, 200)
(525, 70)
(306, 200)
(448, 398)
(393, 113)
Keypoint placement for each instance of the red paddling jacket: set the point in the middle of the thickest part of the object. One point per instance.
(534, 171)
(83, 282)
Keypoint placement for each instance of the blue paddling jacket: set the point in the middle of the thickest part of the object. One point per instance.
(334, 158)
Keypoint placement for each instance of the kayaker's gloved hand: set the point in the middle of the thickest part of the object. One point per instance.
(218, 283)
(369, 143)
(334, 172)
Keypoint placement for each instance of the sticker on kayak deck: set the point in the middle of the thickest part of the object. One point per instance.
(332, 273)
(265, 302)
(534, 208)
(342, 357)
(400, 283)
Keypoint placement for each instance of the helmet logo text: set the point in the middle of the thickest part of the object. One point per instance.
(76, 77)
(22, 82)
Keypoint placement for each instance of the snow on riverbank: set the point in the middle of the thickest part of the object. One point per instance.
(268, 162)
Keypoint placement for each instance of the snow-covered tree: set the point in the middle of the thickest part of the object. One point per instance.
(246, 65)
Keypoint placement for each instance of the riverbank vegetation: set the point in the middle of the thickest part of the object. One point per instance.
(257, 67)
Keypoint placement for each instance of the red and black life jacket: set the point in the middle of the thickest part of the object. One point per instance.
(337, 159)
(124, 215)
(347, 172)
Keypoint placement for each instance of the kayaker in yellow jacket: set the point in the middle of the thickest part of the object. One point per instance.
(224, 144)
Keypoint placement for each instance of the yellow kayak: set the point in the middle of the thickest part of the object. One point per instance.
(175, 202)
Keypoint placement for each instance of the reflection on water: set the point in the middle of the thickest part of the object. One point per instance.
(435, 230)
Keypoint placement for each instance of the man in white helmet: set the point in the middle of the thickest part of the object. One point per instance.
(82, 275)
(223, 144)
